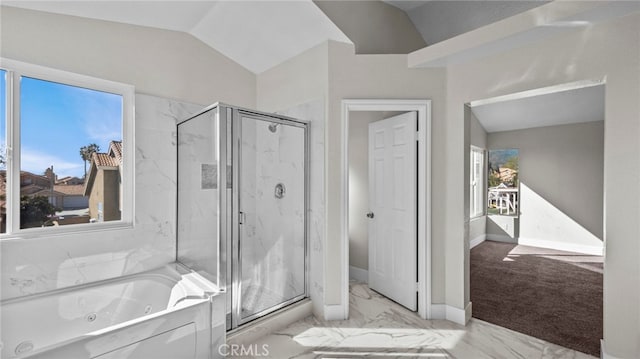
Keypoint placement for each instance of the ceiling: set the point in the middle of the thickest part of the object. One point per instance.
(256, 34)
(552, 106)
(406, 5)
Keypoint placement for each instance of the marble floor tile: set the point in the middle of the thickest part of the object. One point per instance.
(380, 328)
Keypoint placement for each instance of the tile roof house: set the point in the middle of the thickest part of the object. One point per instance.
(104, 184)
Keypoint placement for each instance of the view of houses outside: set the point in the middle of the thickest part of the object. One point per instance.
(70, 154)
(503, 182)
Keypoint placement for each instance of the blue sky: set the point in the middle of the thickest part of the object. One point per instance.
(56, 120)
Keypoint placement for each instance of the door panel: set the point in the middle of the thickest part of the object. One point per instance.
(393, 200)
(272, 203)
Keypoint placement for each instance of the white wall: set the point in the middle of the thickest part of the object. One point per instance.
(478, 138)
(608, 50)
(561, 184)
(31, 266)
(378, 76)
(158, 62)
(298, 88)
(373, 26)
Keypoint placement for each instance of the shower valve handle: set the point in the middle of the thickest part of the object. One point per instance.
(370, 215)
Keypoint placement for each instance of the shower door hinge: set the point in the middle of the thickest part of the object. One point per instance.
(417, 286)
(240, 217)
(417, 135)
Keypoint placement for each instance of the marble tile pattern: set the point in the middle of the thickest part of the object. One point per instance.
(380, 328)
(37, 265)
(198, 195)
(272, 236)
(314, 112)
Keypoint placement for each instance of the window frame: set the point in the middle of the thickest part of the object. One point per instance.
(482, 182)
(14, 71)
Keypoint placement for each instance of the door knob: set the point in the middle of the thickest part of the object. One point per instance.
(370, 215)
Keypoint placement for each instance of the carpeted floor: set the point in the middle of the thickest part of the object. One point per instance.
(548, 294)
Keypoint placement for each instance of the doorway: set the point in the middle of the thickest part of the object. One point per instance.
(536, 251)
(354, 110)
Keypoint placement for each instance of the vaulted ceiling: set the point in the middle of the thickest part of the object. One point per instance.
(256, 34)
(263, 33)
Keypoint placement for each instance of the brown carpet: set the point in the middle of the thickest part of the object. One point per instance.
(552, 295)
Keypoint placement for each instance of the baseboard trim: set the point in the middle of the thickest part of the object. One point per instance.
(452, 314)
(359, 274)
(479, 239)
(501, 238)
(603, 352)
(561, 246)
(334, 312)
(438, 311)
(467, 313)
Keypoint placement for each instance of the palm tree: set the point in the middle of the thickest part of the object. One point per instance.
(86, 152)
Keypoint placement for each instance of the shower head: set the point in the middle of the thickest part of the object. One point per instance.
(273, 127)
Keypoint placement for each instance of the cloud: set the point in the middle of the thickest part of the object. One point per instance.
(99, 113)
(37, 162)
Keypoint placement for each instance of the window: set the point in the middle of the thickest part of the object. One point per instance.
(477, 183)
(69, 163)
(503, 182)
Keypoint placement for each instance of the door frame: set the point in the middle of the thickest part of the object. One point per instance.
(423, 108)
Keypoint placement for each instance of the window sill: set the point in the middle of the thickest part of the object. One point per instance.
(88, 228)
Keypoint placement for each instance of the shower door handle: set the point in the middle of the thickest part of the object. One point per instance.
(240, 217)
(370, 215)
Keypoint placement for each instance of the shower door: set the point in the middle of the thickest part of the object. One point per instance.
(270, 180)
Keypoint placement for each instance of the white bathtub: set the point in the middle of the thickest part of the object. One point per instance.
(170, 312)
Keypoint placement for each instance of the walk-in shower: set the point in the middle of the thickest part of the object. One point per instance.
(242, 206)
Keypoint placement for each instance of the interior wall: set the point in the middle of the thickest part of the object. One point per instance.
(379, 76)
(163, 63)
(373, 26)
(478, 138)
(561, 183)
(606, 50)
(158, 62)
(30, 266)
(298, 88)
(359, 184)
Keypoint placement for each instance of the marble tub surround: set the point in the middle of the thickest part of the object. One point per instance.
(30, 266)
(380, 328)
(198, 195)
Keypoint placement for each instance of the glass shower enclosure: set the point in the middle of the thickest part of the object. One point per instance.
(242, 206)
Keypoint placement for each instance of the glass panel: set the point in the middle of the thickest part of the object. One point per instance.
(272, 198)
(502, 196)
(3, 151)
(70, 154)
(198, 194)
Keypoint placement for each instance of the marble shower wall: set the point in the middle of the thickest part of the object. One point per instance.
(198, 195)
(37, 265)
(314, 112)
(272, 241)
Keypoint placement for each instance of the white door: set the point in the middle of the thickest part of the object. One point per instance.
(393, 208)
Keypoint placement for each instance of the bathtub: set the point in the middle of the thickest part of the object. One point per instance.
(170, 312)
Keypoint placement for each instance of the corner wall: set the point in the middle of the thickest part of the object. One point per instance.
(608, 50)
(561, 184)
(163, 63)
(158, 62)
(298, 88)
(354, 76)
